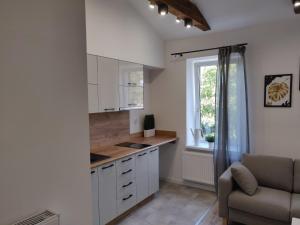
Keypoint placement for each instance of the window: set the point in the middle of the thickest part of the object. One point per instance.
(201, 101)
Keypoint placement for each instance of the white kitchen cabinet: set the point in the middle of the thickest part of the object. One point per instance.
(92, 69)
(131, 74)
(126, 195)
(95, 197)
(107, 192)
(131, 85)
(120, 185)
(131, 98)
(108, 84)
(119, 84)
(153, 170)
(93, 98)
(142, 175)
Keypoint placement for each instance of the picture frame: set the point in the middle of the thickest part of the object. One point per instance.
(278, 90)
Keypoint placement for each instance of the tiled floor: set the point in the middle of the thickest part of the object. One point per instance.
(174, 205)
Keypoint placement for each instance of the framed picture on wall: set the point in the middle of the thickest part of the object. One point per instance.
(278, 90)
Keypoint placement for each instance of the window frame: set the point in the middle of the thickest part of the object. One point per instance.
(193, 87)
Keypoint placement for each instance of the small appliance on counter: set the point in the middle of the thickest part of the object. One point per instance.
(149, 126)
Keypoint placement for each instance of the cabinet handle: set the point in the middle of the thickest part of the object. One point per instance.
(124, 199)
(153, 150)
(126, 160)
(106, 167)
(109, 109)
(92, 172)
(128, 171)
(142, 154)
(132, 104)
(126, 185)
(131, 84)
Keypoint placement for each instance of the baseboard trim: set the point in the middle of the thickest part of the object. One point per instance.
(205, 187)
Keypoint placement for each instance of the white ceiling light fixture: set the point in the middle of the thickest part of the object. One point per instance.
(297, 3)
(151, 5)
(178, 20)
(162, 9)
(188, 23)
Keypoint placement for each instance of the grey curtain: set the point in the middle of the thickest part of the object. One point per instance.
(232, 126)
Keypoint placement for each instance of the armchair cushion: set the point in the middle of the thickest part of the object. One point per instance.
(271, 171)
(267, 202)
(244, 178)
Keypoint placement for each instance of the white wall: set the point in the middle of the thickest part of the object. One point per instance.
(273, 49)
(44, 141)
(116, 30)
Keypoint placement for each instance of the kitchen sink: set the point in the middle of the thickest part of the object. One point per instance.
(133, 145)
(97, 157)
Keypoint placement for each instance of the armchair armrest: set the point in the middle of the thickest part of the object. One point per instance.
(226, 186)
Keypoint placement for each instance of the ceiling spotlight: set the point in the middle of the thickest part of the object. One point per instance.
(297, 3)
(178, 20)
(151, 5)
(162, 9)
(188, 23)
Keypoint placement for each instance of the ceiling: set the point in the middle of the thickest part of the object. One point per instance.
(221, 15)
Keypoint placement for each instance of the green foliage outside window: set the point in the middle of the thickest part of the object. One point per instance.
(207, 99)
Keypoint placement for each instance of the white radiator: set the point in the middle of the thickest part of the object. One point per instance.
(198, 167)
(44, 218)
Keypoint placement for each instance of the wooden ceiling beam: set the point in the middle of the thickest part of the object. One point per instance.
(186, 9)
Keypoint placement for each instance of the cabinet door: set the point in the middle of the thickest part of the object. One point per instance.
(108, 84)
(107, 192)
(131, 85)
(153, 170)
(92, 68)
(131, 97)
(131, 74)
(95, 197)
(93, 98)
(142, 176)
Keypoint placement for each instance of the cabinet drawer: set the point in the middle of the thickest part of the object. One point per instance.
(126, 202)
(126, 165)
(124, 179)
(126, 189)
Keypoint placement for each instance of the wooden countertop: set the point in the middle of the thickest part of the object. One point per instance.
(116, 152)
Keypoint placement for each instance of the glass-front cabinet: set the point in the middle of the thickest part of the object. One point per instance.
(131, 85)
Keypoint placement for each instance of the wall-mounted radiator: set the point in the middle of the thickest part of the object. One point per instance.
(198, 167)
(43, 218)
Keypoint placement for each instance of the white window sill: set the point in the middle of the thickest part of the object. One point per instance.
(202, 147)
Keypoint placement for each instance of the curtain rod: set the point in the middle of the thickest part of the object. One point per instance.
(207, 49)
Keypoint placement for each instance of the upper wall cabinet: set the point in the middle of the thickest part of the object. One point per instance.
(114, 85)
(131, 85)
(92, 69)
(92, 74)
(108, 84)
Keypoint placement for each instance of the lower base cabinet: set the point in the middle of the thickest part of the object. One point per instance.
(120, 185)
(95, 196)
(126, 183)
(153, 171)
(142, 175)
(107, 192)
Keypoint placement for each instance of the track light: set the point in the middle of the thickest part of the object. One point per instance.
(178, 20)
(188, 23)
(151, 5)
(297, 3)
(162, 9)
